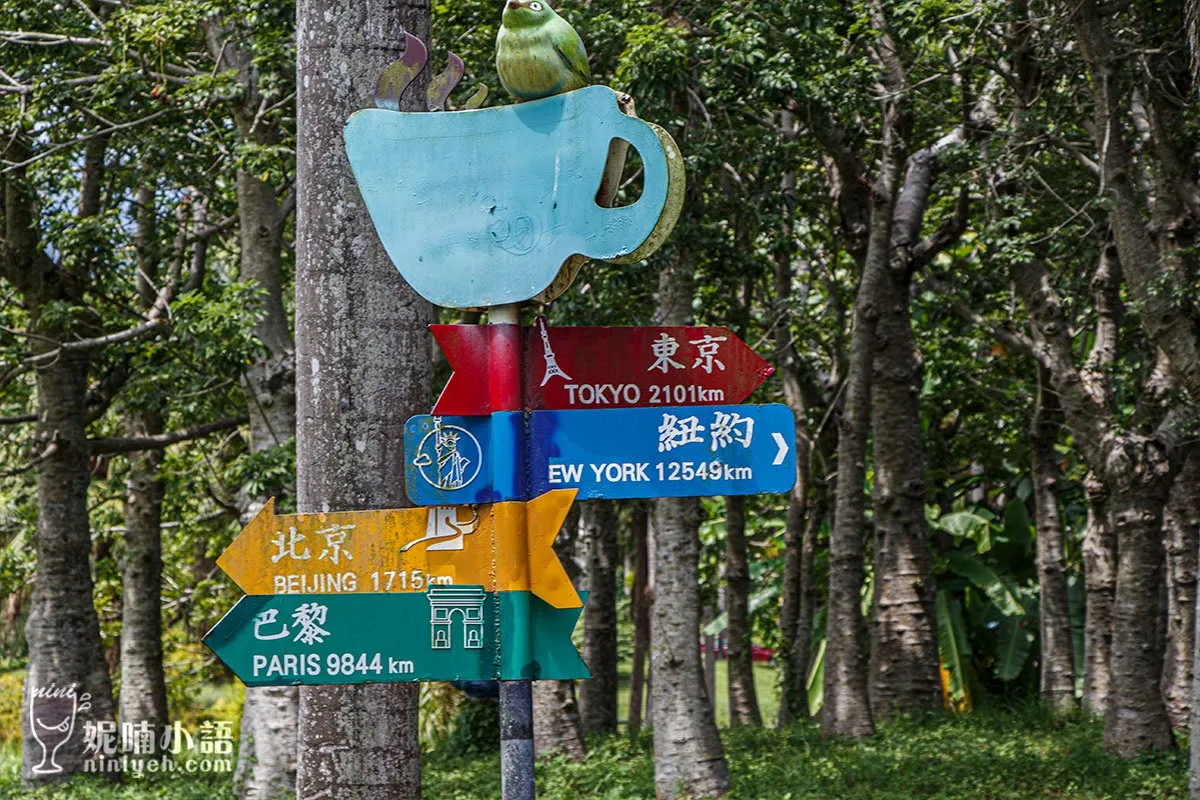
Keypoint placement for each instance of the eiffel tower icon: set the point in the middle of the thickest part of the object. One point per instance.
(552, 367)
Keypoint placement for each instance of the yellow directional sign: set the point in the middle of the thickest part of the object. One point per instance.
(406, 550)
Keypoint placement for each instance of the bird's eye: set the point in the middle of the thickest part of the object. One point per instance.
(535, 6)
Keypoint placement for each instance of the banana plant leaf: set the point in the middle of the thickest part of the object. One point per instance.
(953, 644)
(1014, 641)
(1000, 591)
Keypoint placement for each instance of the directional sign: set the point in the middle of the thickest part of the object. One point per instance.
(448, 633)
(405, 550)
(576, 368)
(618, 453)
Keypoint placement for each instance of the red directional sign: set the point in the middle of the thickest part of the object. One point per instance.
(571, 368)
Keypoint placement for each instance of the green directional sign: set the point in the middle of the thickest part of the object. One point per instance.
(448, 633)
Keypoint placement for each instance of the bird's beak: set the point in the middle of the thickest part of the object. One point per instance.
(513, 5)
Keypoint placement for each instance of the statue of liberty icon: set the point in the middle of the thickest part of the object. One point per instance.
(454, 454)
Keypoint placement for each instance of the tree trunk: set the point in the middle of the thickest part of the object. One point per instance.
(1137, 718)
(143, 697)
(743, 702)
(355, 742)
(1181, 529)
(556, 722)
(688, 759)
(1100, 587)
(67, 681)
(1181, 526)
(557, 727)
(640, 610)
(143, 694)
(1194, 761)
(846, 710)
(1058, 665)
(598, 696)
(796, 589)
(267, 747)
(904, 652)
(802, 643)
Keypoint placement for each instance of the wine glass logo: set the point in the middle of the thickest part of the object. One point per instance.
(52, 713)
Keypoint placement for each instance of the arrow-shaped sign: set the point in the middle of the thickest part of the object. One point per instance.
(448, 633)
(578, 368)
(405, 550)
(617, 453)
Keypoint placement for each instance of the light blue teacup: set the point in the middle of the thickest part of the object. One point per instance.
(482, 208)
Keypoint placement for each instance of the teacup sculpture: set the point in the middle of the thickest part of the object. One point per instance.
(483, 207)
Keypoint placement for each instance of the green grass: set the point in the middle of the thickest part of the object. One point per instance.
(1027, 755)
(982, 756)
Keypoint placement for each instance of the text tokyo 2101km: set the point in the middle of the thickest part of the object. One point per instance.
(678, 394)
(292, 665)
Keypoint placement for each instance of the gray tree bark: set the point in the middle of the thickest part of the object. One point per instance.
(904, 653)
(67, 679)
(688, 757)
(1137, 718)
(639, 606)
(796, 604)
(1181, 538)
(846, 710)
(1058, 665)
(143, 696)
(598, 696)
(1100, 586)
(352, 400)
(1139, 468)
(1194, 754)
(557, 726)
(743, 701)
(267, 747)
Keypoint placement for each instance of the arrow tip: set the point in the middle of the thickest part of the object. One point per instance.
(263, 521)
(547, 578)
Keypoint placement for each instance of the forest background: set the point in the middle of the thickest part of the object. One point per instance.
(963, 232)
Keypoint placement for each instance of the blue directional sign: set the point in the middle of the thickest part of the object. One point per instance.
(667, 451)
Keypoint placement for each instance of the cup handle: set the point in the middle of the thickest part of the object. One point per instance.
(662, 178)
(676, 185)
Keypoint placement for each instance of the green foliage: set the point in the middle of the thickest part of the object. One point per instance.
(1021, 756)
(439, 707)
(476, 730)
(954, 646)
(1028, 755)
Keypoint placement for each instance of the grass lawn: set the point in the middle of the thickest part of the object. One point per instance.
(982, 756)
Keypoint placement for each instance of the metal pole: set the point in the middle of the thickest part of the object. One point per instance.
(516, 697)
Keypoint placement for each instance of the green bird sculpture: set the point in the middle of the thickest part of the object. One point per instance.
(538, 53)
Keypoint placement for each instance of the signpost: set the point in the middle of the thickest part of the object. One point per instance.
(446, 633)
(492, 208)
(618, 453)
(594, 368)
(405, 550)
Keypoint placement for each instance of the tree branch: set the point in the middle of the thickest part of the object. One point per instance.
(106, 445)
(947, 233)
(1014, 340)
